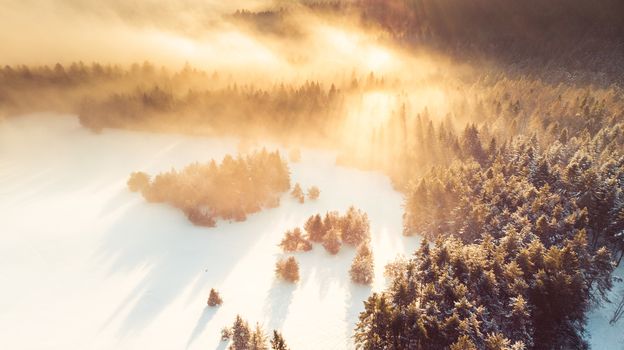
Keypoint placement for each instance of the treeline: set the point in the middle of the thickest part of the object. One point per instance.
(577, 182)
(230, 190)
(528, 218)
(63, 88)
(478, 118)
(540, 35)
(511, 293)
(483, 22)
(243, 337)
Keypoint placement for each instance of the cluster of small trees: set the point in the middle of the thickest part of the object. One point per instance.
(230, 190)
(287, 269)
(245, 338)
(154, 107)
(294, 241)
(297, 193)
(512, 293)
(333, 230)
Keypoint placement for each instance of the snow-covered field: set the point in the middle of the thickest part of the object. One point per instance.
(85, 264)
(602, 334)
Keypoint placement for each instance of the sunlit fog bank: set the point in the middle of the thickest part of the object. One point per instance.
(212, 35)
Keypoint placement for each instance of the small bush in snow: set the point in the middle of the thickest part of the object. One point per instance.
(288, 269)
(214, 299)
(138, 181)
(297, 193)
(313, 193)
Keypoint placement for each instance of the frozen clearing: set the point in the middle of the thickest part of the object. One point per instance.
(85, 264)
(602, 334)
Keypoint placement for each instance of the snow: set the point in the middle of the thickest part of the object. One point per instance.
(84, 263)
(602, 334)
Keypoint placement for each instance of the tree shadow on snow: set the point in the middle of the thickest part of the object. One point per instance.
(158, 239)
(222, 345)
(277, 302)
(358, 293)
(205, 317)
(326, 269)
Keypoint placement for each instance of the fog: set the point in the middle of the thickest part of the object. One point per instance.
(201, 33)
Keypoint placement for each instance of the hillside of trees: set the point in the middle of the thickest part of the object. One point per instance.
(230, 190)
(574, 183)
(511, 293)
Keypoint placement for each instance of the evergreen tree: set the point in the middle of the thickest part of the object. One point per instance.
(294, 241)
(314, 193)
(288, 269)
(355, 227)
(362, 266)
(241, 335)
(331, 241)
(314, 228)
(297, 193)
(138, 181)
(214, 299)
(258, 340)
(278, 342)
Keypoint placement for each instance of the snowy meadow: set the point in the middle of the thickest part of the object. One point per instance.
(88, 264)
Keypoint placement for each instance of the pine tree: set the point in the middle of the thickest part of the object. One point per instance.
(314, 228)
(297, 193)
(372, 332)
(464, 343)
(287, 269)
(497, 341)
(354, 227)
(314, 193)
(278, 342)
(214, 299)
(362, 266)
(520, 323)
(294, 241)
(241, 335)
(331, 241)
(258, 340)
